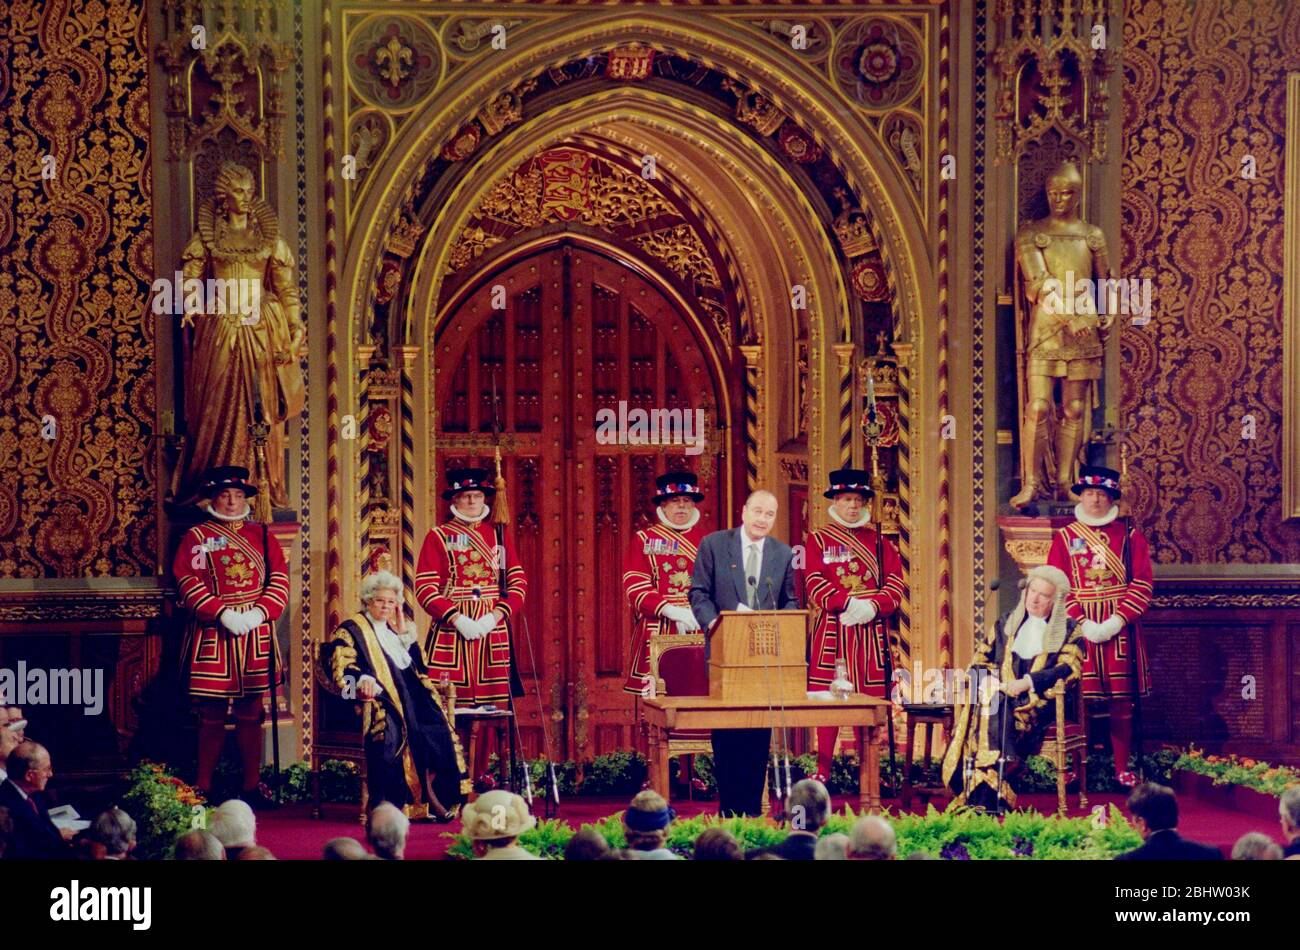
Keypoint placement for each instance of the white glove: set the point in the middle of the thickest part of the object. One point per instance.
(681, 616)
(233, 621)
(488, 623)
(859, 610)
(1092, 632)
(467, 627)
(867, 609)
(255, 617)
(745, 608)
(1112, 625)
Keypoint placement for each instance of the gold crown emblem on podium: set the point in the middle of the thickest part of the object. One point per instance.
(762, 638)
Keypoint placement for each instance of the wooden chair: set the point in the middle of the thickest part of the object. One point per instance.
(1064, 741)
(929, 716)
(677, 665)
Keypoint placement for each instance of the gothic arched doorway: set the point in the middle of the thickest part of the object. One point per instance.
(568, 331)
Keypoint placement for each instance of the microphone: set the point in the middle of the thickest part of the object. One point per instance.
(770, 598)
(995, 584)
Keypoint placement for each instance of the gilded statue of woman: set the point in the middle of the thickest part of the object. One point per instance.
(247, 332)
(1061, 339)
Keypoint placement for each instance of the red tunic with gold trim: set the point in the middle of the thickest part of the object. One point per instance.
(656, 572)
(1093, 560)
(458, 572)
(222, 564)
(841, 563)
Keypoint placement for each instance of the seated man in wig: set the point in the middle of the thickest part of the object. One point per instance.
(413, 757)
(1027, 652)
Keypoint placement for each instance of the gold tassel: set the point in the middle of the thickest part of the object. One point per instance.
(500, 504)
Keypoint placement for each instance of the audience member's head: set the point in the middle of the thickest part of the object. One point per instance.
(809, 806)
(717, 844)
(255, 853)
(832, 847)
(646, 821)
(6, 831)
(234, 824)
(115, 830)
(1254, 846)
(587, 844)
(344, 849)
(199, 845)
(29, 766)
(1288, 809)
(386, 830)
(494, 820)
(1154, 808)
(11, 717)
(9, 738)
(872, 839)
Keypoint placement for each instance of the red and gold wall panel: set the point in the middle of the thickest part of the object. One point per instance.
(77, 411)
(1204, 91)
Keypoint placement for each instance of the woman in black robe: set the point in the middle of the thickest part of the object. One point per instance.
(413, 756)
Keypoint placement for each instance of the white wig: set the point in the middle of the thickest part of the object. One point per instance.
(372, 584)
(1053, 575)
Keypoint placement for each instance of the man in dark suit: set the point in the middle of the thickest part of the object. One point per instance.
(35, 836)
(742, 569)
(1155, 816)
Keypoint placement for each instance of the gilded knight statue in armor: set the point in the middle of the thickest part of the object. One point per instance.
(1060, 337)
(248, 335)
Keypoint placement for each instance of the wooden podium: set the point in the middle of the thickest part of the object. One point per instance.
(759, 656)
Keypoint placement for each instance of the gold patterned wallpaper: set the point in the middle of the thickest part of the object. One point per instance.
(76, 267)
(1205, 105)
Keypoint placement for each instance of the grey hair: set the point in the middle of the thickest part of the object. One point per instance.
(872, 838)
(810, 800)
(1288, 806)
(831, 847)
(234, 824)
(115, 830)
(387, 828)
(1254, 846)
(373, 583)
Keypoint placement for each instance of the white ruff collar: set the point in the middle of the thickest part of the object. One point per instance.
(860, 523)
(248, 513)
(1092, 522)
(455, 513)
(683, 528)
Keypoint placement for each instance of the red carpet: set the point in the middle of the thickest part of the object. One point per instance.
(291, 833)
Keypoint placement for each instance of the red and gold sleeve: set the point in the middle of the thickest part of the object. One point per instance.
(890, 596)
(192, 569)
(820, 590)
(638, 587)
(276, 596)
(516, 580)
(429, 571)
(1137, 598)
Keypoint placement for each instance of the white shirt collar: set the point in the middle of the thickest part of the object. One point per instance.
(4, 776)
(1029, 638)
(746, 542)
(456, 513)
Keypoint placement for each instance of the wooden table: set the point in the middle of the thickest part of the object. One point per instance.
(864, 714)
